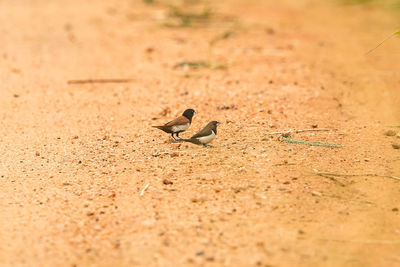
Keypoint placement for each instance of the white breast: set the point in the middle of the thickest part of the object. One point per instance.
(207, 139)
(180, 128)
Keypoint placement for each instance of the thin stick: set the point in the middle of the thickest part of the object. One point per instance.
(331, 178)
(367, 241)
(302, 130)
(100, 81)
(354, 175)
(144, 189)
(284, 164)
(167, 153)
(387, 38)
(302, 142)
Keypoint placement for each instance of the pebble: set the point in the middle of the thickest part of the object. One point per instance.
(174, 154)
(316, 193)
(167, 182)
(200, 253)
(390, 133)
(396, 145)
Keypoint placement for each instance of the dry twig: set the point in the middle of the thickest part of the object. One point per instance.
(144, 189)
(100, 81)
(354, 175)
(330, 178)
(366, 241)
(387, 38)
(284, 164)
(302, 142)
(302, 130)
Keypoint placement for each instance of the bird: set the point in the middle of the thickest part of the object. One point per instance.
(205, 136)
(180, 124)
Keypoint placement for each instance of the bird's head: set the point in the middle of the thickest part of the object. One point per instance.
(213, 125)
(189, 113)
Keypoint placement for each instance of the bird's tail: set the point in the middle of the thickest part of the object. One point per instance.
(158, 127)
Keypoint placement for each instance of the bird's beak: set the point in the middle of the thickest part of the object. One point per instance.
(218, 123)
(195, 112)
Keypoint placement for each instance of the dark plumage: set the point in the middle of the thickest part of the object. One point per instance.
(180, 124)
(205, 136)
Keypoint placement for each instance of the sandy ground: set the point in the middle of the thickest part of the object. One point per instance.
(76, 157)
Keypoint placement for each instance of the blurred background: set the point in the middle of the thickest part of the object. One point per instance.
(86, 181)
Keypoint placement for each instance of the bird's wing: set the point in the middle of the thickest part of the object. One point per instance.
(205, 132)
(182, 120)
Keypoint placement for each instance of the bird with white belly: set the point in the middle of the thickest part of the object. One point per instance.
(205, 136)
(180, 124)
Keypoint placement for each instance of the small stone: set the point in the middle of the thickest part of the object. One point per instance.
(395, 209)
(174, 154)
(316, 193)
(200, 253)
(366, 159)
(398, 135)
(270, 31)
(184, 92)
(37, 154)
(90, 213)
(396, 145)
(167, 182)
(390, 133)
(75, 137)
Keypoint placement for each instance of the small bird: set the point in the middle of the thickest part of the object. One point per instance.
(180, 124)
(205, 136)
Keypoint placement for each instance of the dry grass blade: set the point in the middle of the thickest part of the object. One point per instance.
(303, 142)
(366, 241)
(387, 38)
(331, 178)
(100, 81)
(181, 18)
(222, 36)
(354, 175)
(192, 64)
(144, 189)
(302, 130)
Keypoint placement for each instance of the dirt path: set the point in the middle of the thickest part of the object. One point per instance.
(77, 157)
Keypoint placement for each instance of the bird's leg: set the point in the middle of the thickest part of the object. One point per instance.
(172, 134)
(177, 134)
